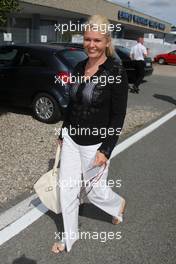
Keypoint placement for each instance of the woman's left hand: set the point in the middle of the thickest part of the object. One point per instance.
(100, 159)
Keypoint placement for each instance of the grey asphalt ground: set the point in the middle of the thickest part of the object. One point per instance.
(157, 92)
(148, 173)
(147, 170)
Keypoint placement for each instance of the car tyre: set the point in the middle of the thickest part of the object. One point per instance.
(46, 109)
(161, 61)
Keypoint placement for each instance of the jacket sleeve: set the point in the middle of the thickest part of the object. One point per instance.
(119, 95)
(65, 120)
(69, 107)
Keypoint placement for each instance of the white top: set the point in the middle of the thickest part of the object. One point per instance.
(138, 51)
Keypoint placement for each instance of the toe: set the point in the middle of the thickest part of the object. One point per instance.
(55, 249)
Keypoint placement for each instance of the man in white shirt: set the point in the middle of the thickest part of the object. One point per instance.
(138, 53)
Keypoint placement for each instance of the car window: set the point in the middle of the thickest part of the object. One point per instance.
(72, 56)
(124, 50)
(7, 55)
(173, 52)
(29, 59)
(124, 53)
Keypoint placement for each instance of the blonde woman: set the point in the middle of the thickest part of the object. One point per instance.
(94, 106)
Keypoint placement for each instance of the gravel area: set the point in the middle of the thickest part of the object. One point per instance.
(27, 148)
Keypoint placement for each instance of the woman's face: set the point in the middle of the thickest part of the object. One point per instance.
(95, 43)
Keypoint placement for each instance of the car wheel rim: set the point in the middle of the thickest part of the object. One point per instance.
(44, 108)
(161, 61)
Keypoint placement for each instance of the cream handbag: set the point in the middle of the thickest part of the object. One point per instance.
(47, 187)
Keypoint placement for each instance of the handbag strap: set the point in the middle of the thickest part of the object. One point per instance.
(56, 159)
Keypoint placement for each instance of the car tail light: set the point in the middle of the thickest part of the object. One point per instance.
(64, 76)
(71, 49)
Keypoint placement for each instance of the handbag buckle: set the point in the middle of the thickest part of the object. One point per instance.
(48, 189)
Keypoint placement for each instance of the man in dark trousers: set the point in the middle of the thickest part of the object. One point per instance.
(138, 53)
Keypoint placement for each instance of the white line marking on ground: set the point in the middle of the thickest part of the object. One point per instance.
(31, 216)
(23, 222)
(142, 133)
(18, 210)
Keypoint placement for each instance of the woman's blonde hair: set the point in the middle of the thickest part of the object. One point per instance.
(101, 23)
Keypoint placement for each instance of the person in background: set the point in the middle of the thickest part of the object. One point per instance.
(138, 53)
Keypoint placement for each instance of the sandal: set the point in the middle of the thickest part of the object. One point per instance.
(58, 247)
(118, 219)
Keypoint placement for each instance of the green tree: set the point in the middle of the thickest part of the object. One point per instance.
(6, 8)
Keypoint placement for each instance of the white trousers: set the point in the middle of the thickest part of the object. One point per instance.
(75, 160)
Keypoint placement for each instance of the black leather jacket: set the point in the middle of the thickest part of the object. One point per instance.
(98, 103)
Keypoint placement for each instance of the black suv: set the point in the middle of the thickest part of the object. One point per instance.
(29, 77)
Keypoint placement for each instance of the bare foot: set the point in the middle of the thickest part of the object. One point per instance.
(58, 247)
(119, 219)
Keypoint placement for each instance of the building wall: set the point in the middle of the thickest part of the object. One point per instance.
(97, 7)
(38, 17)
